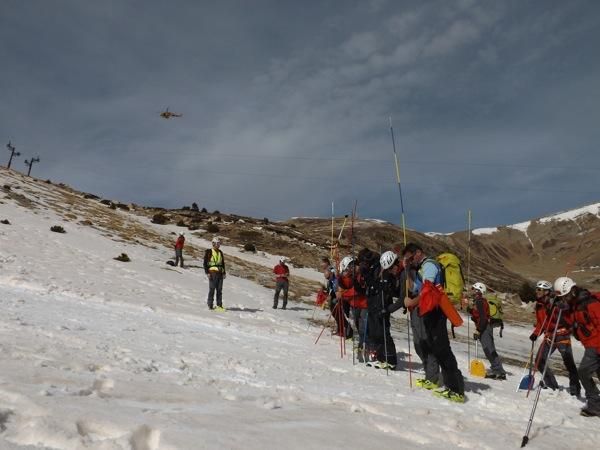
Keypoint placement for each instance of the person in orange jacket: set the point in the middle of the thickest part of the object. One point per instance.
(436, 340)
(585, 309)
(282, 282)
(546, 315)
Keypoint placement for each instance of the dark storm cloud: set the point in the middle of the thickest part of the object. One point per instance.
(286, 104)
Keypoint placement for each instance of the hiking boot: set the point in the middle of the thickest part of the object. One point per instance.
(381, 365)
(211, 307)
(450, 395)
(284, 307)
(587, 412)
(384, 365)
(426, 384)
(495, 376)
(220, 309)
(274, 306)
(575, 391)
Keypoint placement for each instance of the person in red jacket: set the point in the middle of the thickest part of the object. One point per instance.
(351, 300)
(282, 282)
(585, 309)
(546, 315)
(480, 315)
(179, 249)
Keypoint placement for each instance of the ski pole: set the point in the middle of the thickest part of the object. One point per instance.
(364, 349)
(539, 389)
(530, 364)
(325, 326)
(468, 285)
(332, 219)
(404, 239)
(353, 311)
(541, 348)
(384, 329)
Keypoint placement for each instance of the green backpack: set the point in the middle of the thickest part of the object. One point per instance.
(454, 281)
(496, 313)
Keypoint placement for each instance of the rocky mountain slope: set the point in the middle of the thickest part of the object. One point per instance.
(546, 247)
(503, 257)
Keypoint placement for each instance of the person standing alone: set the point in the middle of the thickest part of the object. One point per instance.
(480, 315)
(282, 282)
(179, 249)
(214, 267)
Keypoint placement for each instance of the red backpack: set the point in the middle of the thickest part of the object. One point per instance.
(432, 297)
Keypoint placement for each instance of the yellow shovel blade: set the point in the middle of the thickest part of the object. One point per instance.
(477, 368)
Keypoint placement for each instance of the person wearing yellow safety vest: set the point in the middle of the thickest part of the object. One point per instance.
(214, 267)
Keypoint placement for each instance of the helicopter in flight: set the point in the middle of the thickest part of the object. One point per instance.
(168, 114)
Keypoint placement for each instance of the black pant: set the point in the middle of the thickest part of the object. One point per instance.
(564, 347)
(422, 348)
(281, 285)
(215, 283)
(178, 257)
(379, 337)
(590, 364)
(438, 344)
(340, 310)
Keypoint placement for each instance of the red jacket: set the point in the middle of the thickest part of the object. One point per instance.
(586, 320)
(350, 294)
(179, 243)
(540, 317)
(282, 271)
(480, 314)
(546, 315)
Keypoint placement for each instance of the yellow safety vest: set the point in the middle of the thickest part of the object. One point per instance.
(216, 261)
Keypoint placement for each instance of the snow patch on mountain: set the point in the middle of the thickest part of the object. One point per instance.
(484, 231)
(574, 213)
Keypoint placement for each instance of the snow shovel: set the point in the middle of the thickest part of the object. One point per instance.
(529, 379)
(477, 368)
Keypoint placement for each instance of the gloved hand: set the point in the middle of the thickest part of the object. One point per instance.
(533, 337)
(404, 310)
(562, 305)
(476, 336)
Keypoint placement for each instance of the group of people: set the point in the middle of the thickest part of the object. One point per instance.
(370, 287)
(562, 310)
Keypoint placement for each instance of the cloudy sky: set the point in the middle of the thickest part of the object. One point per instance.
(286, 104)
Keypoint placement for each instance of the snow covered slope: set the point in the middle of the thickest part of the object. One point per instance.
(100, 354)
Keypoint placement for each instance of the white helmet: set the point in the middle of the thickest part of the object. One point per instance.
(216, 240)
(480, 287)
(388, 259)
(563, 285)
(543, 284)
(345, 262)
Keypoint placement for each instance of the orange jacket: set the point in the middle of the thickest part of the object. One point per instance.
(350, 293)
(586, 320)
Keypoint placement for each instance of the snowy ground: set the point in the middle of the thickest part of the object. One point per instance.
(99, 354)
